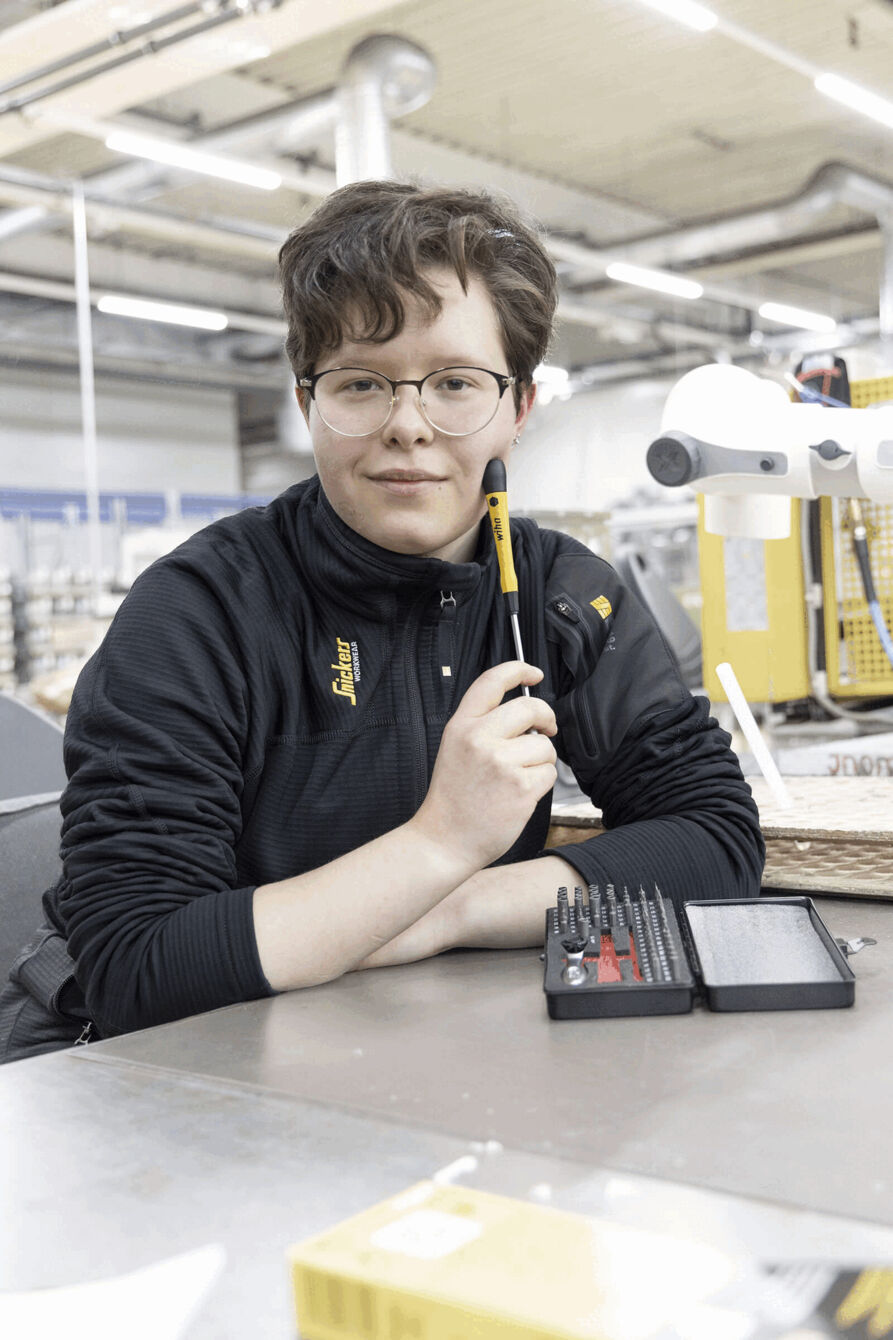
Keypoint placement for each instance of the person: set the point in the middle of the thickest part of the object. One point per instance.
(303, 747)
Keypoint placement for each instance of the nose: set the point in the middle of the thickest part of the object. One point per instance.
(407, 424)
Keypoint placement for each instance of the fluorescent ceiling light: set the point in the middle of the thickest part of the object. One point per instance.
(796, 316)
(692, 15)
(658, 280)
(202, 318)
(851, 95)
(180, 155)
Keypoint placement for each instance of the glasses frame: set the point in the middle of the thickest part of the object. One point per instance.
(502, 379)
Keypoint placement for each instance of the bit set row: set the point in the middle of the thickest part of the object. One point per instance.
(626, 942)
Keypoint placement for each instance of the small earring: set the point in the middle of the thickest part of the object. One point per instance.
(515, 440)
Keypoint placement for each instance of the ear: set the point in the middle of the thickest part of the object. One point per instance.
(303, 400)
(528, 399)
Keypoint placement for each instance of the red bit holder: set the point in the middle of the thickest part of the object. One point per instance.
(608, 962)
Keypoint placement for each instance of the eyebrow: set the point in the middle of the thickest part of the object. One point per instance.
(444, 361)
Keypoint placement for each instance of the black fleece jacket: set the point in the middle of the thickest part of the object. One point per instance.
(272, 694)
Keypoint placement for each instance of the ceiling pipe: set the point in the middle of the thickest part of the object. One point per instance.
(227, 12)
(832, 184)
(22, 187)
(674, 362)
(699, 243)
(286, 129)
(885, 299)
(145, 366)
(383, 77)
(57, 290)
(118, 38)
(25, 220)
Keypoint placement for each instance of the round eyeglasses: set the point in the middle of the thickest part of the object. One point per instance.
(456, 401)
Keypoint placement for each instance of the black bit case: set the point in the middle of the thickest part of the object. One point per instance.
(733, 954)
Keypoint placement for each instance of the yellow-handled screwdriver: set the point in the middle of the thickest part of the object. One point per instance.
(498, 511)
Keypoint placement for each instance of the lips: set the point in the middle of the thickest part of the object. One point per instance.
(407, 477)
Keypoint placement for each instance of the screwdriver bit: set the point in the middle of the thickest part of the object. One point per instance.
(611, 900)
(595, 914)
(650, 941)
(669, 937)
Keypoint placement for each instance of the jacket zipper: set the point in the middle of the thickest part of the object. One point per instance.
(446, 629)
(573, 622)
(414, 699)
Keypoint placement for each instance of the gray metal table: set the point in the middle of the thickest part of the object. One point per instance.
(260, 1124)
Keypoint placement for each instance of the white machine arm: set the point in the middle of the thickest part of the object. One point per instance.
(741, 441)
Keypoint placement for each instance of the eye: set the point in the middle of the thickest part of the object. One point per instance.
(358, 386)
(454, 383)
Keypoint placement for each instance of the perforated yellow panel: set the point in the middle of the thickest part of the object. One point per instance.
(857, 664)
(754, 613)
(871, 391)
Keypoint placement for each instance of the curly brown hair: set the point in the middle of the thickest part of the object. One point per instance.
(369, 244)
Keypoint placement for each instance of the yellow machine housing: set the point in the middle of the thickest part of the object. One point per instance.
(754, 600)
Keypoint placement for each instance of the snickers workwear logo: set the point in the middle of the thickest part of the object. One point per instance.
(347, 663)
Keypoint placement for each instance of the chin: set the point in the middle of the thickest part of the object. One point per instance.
(419, 544)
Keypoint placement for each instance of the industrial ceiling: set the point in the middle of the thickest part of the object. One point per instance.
(611, 121)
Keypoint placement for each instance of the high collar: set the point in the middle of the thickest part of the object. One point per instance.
(366, 575)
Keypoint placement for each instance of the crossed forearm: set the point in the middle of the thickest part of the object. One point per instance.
(496, 908)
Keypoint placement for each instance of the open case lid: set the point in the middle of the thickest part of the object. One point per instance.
(766, 954)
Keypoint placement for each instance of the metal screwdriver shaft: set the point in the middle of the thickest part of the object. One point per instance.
(494, 485)
(657, 967)
(669, 940)
(595, 915)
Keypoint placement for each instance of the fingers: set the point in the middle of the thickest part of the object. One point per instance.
(530, 751)
(523, 714)
(537, 780)
(489, 689)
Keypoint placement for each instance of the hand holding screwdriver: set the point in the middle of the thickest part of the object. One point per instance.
(490, 772)
(498, 511)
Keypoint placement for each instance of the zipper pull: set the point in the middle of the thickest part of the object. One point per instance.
(566, 609)
(447, 605)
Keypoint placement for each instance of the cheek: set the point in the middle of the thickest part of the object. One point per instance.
(474, 462)
(334, 461)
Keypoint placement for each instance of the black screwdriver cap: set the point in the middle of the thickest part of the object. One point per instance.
(494, 476)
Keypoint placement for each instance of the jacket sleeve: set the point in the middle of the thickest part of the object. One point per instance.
(156, 923)
(675, 805)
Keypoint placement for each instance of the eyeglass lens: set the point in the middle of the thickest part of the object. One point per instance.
(355, 401)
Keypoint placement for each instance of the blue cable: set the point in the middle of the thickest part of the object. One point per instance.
(883, 631)
(807, 392)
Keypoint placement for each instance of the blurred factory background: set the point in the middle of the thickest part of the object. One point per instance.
(156, 152)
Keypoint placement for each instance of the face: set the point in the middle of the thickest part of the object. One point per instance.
(407, 487)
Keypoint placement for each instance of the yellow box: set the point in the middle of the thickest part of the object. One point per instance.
(443, 1262)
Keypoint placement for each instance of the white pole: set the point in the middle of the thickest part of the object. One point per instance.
(88, 390)
(765, 761)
